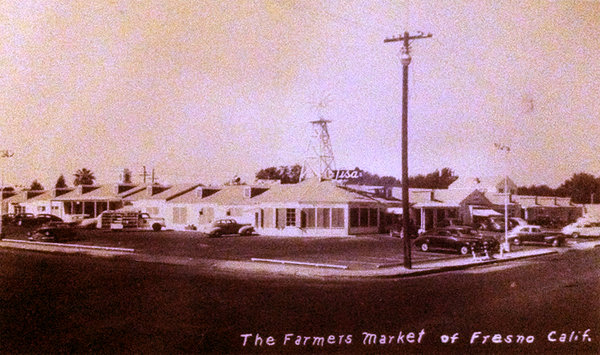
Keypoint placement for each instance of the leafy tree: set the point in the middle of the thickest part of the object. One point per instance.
(61, 182)
(435, 180)
(286, 174)
(367, 178)
(36, 186)
(439, 179)
(580, 188)
(537, 190)
(84, 177)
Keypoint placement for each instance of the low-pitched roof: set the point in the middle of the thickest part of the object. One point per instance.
(193, 195)
(233, 195)
(22, 196)
(105, 192)
(483, 183)
(543, 201)
(170, 192)
(315, 191)
(498, 198)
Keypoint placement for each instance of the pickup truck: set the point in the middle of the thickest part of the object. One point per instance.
(125, 219)
(532, 233)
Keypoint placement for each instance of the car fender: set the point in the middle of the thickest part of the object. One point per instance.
(246, 230)
(215, 230)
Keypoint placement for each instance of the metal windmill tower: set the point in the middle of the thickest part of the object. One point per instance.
(319, 161)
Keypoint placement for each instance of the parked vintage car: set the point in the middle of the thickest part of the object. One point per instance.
(54, 232)
(462, 239)
(24, 219)
(583, 228)
(8, 218)
(229, 226)
(495, 224)
(533, 233)
(43, 218)
(124, 219)
(516, 221)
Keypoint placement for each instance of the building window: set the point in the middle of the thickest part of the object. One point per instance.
(373, 217)
(280, 217)
(268, 218)
(323, 217)
(290, 217)
(337, 218)
(364, 217)
(179, 215)
(354, 220)
(308, 218)
(41, 208)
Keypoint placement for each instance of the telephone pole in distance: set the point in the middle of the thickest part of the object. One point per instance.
(405, 60)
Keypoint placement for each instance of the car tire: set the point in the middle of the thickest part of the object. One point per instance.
(424, 247)
(516, 241)
(156, 227)
(575, 235)
(464, 250)
(215, 234)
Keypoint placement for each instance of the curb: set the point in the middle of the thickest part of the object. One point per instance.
(65, 248)
(440, 269)
(269, 267)
(324, 273)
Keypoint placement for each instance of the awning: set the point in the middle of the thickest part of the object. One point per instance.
(394, 210)
(485, 213)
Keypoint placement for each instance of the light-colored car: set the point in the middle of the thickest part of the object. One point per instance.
(583, 228)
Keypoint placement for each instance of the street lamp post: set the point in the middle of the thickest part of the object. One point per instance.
(405, 59)
(506, 150)
(3, 154)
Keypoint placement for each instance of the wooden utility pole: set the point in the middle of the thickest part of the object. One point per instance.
(3, 154)
(405, 59)
(144, 174)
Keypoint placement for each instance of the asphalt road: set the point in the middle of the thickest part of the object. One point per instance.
(61, 303)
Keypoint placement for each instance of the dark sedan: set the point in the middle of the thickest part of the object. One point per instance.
(54, 232)
(24, 219)
(459, 239)
(43, 218)
(534, 234)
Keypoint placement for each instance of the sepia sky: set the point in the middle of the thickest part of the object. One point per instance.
(203, 90)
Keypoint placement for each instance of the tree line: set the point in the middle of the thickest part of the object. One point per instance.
(81, 177)
(439, 179)
(581, 187)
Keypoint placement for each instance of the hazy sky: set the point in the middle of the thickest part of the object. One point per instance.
(202, 90)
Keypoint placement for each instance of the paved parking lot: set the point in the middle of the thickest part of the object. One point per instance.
(364, 252)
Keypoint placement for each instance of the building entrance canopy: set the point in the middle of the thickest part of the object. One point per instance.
(485, 213)
(394, 210)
